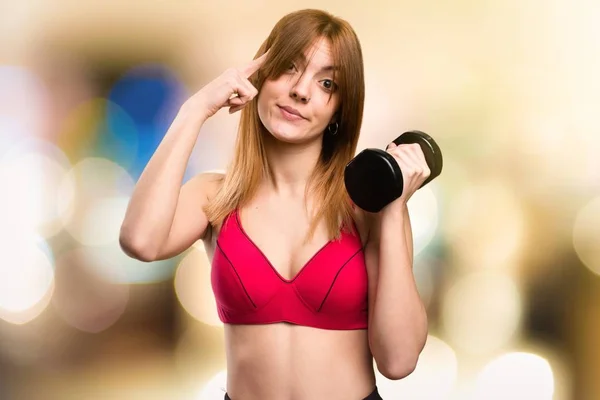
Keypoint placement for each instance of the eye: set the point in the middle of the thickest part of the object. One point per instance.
(292, 67)
(329, 84)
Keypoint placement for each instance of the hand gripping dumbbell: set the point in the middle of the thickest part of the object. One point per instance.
(373, 178)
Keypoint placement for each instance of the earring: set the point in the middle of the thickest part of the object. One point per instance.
(332, 131)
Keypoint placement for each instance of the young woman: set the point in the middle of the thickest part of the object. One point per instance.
(310, 288)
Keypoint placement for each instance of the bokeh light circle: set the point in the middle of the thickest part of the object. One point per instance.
(31, 173)
(193, 287)
(94, 189)
(26, 278)
(482, 312)
(84, 299)
(586, 235)
(516, 376)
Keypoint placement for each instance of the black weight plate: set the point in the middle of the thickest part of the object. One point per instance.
(373, 179)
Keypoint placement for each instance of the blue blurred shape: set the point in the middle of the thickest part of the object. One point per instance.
(151, 96)
(118, 139)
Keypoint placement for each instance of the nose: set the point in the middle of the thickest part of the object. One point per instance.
(300, 91)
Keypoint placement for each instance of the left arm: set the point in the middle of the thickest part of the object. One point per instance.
(397, 316)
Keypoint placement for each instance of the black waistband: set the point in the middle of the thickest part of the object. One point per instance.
(373, 396)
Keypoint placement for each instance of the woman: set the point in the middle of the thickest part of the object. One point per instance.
(299, 274)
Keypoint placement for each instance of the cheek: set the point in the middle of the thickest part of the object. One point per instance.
(269, 91)
(262, 107)
(264, 99)
(325, 110)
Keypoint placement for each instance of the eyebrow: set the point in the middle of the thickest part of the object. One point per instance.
(330, 68)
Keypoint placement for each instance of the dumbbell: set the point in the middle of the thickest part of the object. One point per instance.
(373, 178)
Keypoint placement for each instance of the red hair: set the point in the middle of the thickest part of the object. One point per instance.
(290, 38)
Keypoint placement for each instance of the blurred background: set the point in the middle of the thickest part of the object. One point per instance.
(507, 238)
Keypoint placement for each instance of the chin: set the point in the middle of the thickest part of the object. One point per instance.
(287, 136)
(286, 132)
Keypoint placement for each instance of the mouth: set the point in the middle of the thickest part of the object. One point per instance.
(290, 113)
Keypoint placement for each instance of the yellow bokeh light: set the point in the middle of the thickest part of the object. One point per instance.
(200, 351)
(486, 228)
(79, 131)
(586, 235)
(93, 190)
(481, 312)
(193, 287)
(102, 221)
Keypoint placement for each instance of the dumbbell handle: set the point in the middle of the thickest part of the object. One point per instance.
(431, 151)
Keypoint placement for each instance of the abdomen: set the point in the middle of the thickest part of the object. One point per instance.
(284, 361)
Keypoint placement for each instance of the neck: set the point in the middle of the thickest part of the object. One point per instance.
(291, 165)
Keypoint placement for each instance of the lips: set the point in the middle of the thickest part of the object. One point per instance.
(292, 111)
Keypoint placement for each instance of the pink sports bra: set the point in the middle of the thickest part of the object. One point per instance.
(329, 292)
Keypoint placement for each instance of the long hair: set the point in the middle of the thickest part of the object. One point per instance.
(290, 37)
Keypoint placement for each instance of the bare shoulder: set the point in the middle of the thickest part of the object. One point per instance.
(205, 185)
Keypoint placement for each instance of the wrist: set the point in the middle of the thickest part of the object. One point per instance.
(194, 108)
(391, 215)
(397, 208)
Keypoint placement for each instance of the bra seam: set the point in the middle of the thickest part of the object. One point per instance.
(335, 278)
(299, 296)
(236, 273)
(271, 299)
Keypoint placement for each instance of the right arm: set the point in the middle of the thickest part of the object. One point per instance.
(153, 227)
(163, 217)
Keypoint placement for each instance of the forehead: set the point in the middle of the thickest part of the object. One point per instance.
(319, 54)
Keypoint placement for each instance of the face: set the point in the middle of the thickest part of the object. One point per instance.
(299, 105)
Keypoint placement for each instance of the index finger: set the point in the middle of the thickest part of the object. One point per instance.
(254, 65)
